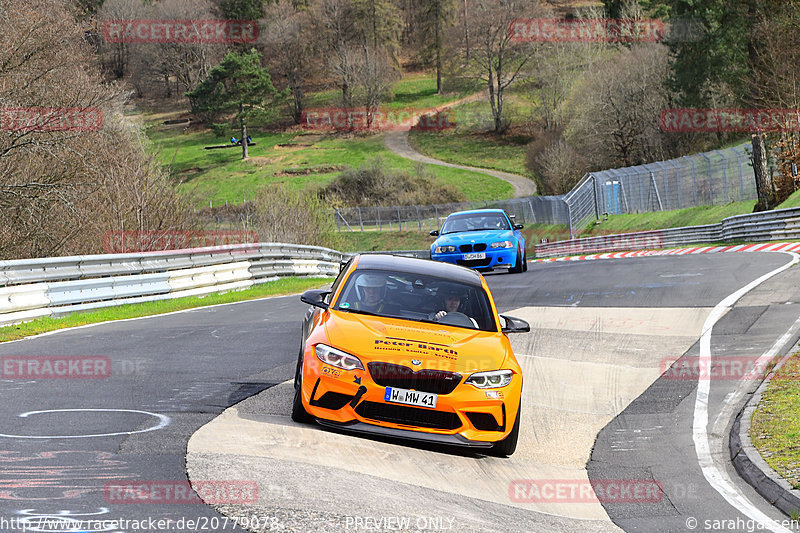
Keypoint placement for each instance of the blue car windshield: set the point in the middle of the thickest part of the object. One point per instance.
(475, 222)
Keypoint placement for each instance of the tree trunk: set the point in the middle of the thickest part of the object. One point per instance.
(438, 29)
(763, 182)
(466, 28)
(244, 140)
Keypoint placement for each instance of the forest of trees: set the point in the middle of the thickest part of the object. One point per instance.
(596, 104)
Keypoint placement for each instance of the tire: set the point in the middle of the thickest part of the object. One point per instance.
(525, 261)
(299, 413)
(517, 268)
(507, 446)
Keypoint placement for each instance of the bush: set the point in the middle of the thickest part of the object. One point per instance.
(556, 165)
(372, 184)
(298, 217)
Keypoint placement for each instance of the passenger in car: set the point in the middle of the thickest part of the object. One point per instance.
(452, 299)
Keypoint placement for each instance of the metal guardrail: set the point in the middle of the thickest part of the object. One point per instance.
(31, 288)
(780, 224)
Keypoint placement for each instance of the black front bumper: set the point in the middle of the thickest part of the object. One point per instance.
(449, 440)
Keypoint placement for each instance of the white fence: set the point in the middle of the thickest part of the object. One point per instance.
(31, 288)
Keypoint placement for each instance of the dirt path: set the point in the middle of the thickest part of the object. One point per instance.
(397, 142)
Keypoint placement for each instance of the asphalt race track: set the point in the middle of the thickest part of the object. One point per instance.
(603, 405)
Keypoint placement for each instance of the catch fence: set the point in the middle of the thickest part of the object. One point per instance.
(710, 178)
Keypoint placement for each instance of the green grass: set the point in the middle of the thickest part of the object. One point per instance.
(417, 91)
(272, 288)
(371, 241)
(775, 426)
(220, 176)
(470, 142)
(692, 216)
(306, 160)
(792, 201)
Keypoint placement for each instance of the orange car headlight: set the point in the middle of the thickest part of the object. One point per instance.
(337, 358)
(490, 380)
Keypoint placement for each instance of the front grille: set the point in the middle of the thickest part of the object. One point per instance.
(472, 263)
(412, 416)
(465, 248)
(484, 422)
(402, 377)
(332, 400)
(481, 246)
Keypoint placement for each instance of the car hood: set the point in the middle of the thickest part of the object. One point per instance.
(401, 342)
(467, 237)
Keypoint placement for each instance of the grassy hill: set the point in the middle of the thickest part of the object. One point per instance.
(301, 159)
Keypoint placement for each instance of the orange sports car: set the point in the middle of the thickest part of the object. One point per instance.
(413, 349)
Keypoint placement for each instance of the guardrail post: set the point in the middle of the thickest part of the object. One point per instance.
(399, 220)
(360, 219)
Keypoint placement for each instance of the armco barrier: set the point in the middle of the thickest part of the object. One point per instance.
(780, 224)
(31, 288)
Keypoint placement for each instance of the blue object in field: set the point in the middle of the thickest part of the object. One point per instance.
(612, 198)
(234, 140)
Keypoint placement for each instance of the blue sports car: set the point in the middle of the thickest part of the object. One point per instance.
(483, 239)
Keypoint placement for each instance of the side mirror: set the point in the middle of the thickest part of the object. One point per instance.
(434, 233)
(518, 226)
(515, 325)
(315, 297)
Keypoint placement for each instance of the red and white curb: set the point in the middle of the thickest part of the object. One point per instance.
(762, 247)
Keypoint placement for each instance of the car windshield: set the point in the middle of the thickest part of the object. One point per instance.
(475, 222)
(416, 297)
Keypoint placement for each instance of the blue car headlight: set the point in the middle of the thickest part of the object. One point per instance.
(503, 244)
(444, 249)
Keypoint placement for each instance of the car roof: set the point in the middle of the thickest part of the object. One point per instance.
(477, 212)
(419, 266)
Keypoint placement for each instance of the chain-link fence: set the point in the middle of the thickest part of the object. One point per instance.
(529, 210)
(711, 178)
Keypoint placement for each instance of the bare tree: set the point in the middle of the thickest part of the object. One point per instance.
(615, 109)
(58, 155)
(159, 63)
(116, 55)
(374, 77)
(337, 21)
(497, 58)
(292, 50)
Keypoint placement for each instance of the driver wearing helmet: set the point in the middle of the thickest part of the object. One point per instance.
(371, 289)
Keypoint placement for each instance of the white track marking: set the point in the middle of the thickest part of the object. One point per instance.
(164, 421)
(714, 475)
(756, 373)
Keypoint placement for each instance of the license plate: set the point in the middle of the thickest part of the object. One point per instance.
(479, 255)
(410, 397)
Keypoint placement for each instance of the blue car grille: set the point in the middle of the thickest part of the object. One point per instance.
(466, 248)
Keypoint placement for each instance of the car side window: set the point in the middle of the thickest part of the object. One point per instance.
(338, 280)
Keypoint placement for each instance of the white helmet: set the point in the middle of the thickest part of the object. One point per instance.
(377, 281)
